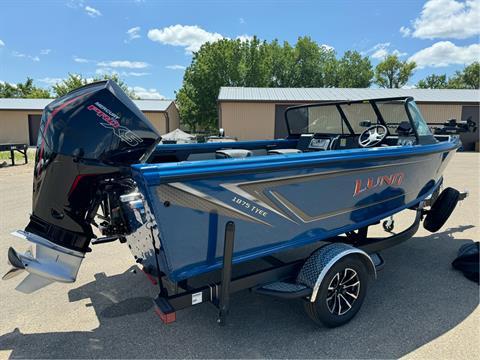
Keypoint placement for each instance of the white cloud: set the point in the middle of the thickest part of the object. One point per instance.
(189, 37)
(445, 53)
(9, 83)
(45, 51)
(111, 71)
(405, 31)
(327, 47)
(241, 20)
(398, 53)
(143, 93)
(2, 43)
(105, 71)
(244, 38)
(17, 54)
(133, 33)
(124, 64)
(133, 73)
(176, 67)
(446, 19)
(80, 60)
(379, 51)
(380, 54)
(49, 81)
(382, 50)
(26, 56)
(92, 12)
(75, 4)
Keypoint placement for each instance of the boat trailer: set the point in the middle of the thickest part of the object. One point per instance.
(297, 279)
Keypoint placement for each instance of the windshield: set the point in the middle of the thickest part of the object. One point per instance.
(354, 117)
(315, 119)
(418, 120)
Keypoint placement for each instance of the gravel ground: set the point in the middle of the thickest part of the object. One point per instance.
(418, 307)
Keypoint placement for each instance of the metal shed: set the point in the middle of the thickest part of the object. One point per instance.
(20, 118)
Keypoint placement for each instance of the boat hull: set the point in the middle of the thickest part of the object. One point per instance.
(279, 204)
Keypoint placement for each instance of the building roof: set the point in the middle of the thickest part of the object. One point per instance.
(334, 94)
(39, 104)
(153, 105)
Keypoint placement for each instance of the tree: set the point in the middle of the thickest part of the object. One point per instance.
(23, 90)
(74, 81)
(282, 64)
(433, 82)
(314, 65)
(252, 63)
(256, 63)
(214, 65)
(468, 78)
(393, 73)
(354, 71)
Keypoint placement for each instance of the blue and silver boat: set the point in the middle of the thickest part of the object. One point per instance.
(213, 213)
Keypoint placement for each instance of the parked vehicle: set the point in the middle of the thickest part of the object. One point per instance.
(286, 217)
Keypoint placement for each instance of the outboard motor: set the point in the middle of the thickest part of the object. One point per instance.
(87, 141)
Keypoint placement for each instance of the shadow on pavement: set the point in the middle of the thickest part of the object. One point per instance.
(416, 298)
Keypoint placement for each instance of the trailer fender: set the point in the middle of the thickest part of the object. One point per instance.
(320, 261)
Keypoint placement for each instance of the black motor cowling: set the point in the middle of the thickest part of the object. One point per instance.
(86, 138)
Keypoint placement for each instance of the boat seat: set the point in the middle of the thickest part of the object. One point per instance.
(232, 153)
(284, 151)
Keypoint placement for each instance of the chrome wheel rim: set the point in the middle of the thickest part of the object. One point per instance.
(343, 291)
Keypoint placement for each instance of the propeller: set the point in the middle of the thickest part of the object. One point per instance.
(17, 265)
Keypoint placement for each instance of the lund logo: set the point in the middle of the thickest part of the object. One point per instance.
(111, 122)
(394, 179)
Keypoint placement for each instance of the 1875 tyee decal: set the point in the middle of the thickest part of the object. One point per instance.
(111, 122)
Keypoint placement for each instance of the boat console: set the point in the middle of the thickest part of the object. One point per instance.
(305, 143)
(322, 127)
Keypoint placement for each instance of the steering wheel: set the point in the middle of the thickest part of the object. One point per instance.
(372, 136)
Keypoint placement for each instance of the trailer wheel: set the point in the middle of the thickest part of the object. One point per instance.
(441, 209)
(341, 293)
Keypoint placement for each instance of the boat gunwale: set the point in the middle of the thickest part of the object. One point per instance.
(156, 174)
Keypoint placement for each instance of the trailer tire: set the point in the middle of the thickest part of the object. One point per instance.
(441, 209)
(323, 311)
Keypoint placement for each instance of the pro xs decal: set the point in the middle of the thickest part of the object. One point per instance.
(112, 122)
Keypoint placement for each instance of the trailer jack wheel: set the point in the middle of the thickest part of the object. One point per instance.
(341, 293)
(441, 209)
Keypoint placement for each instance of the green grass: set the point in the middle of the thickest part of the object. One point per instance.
(19, 159)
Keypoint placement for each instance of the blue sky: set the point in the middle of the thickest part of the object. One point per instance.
(150, 42)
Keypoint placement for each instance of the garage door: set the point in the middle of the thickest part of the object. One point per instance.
(469, 139)
(33, 126)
